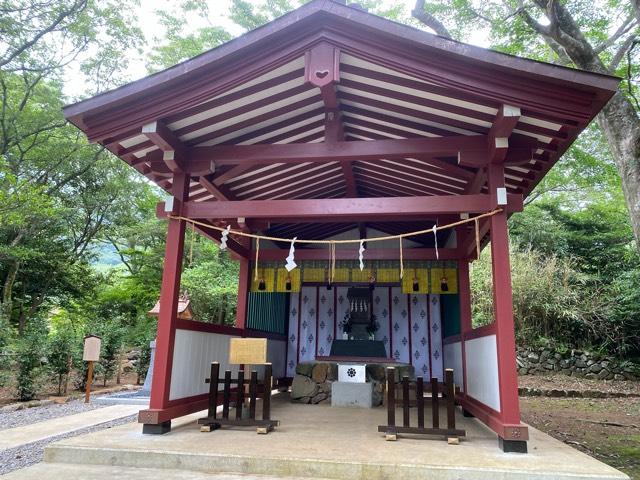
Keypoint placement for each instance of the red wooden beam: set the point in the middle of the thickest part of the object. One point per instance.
(475, 145)
(172, 148)
(354, 209)
(219, 192)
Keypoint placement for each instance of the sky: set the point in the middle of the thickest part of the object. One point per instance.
(149, 23)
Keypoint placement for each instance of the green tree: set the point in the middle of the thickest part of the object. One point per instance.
(598, 38)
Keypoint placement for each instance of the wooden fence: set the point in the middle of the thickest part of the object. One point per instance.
(435, 388)
(238, 396)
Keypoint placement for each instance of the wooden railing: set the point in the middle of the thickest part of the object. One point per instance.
(391, 430)
(237, 397)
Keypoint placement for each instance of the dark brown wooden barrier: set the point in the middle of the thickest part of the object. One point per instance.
(237, 396)
(391, 430)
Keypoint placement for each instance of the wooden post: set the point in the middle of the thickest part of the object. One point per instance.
(435, 406)
(420, 401)
(451, 394)
(227, 394)
(240, 395)
(503, 306)
(253, 386)
(266, 400)
(213, 389)
(87, 393)
(391, 396)
(243, 293)
(405, 401)
(169, 294)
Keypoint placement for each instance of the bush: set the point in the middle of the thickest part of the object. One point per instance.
(62, 348)
(29, 359)
(548, 296)
(213, 294)
(555, 305)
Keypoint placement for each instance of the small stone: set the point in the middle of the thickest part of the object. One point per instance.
(304, 369)
(533, 358)
(332, 372)
(303, 386)
(595, 368)
(618, 376)
(604, 373)
(319, 373)
(376, 372)
(591, 376)
(580, 363)
(319, 397)
(566, 371)
(325, 387)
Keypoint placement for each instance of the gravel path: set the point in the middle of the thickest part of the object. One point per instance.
(26, 416)
(31, 453)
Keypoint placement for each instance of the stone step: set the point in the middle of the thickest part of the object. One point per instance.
(108, 472)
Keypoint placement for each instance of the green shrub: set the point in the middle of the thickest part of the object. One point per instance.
(30, 351)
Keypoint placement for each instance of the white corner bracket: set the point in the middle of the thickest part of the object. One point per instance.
(168, 205)
(501, 195)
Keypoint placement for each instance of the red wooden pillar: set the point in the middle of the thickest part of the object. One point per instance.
(169, 295)
(464, 290)
(243, 293)
(514, 434)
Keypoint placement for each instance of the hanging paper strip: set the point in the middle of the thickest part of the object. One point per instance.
(269, 276)
(437, 279)
(422, 274)
(281, 280)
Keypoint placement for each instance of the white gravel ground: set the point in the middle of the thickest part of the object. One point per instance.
(26, 416)
(31, 453)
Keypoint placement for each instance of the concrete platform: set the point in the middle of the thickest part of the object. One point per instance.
(100, 472)
(317, 441)
(14, 437)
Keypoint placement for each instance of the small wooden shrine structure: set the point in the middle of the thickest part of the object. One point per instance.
(330, 123)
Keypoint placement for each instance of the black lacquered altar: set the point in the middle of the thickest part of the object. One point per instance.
(358, 348)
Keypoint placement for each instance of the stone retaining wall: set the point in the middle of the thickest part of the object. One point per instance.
(576, 363)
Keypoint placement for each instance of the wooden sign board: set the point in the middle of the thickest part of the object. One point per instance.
(91, 352)
(250, 351)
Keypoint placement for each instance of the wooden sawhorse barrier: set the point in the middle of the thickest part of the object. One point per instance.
(213, 422)
(391, 430)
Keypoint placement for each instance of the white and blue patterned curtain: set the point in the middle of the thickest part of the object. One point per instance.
(326, 320)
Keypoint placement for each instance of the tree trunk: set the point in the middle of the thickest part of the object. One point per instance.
(621, 127)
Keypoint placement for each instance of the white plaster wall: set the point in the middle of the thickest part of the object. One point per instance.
(481, 359)
(453, 359)
(193, 353)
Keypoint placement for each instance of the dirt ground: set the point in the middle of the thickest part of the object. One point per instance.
(8, 393)
(605, 428)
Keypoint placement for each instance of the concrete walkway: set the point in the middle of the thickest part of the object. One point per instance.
(100, 472)
(14, 437)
